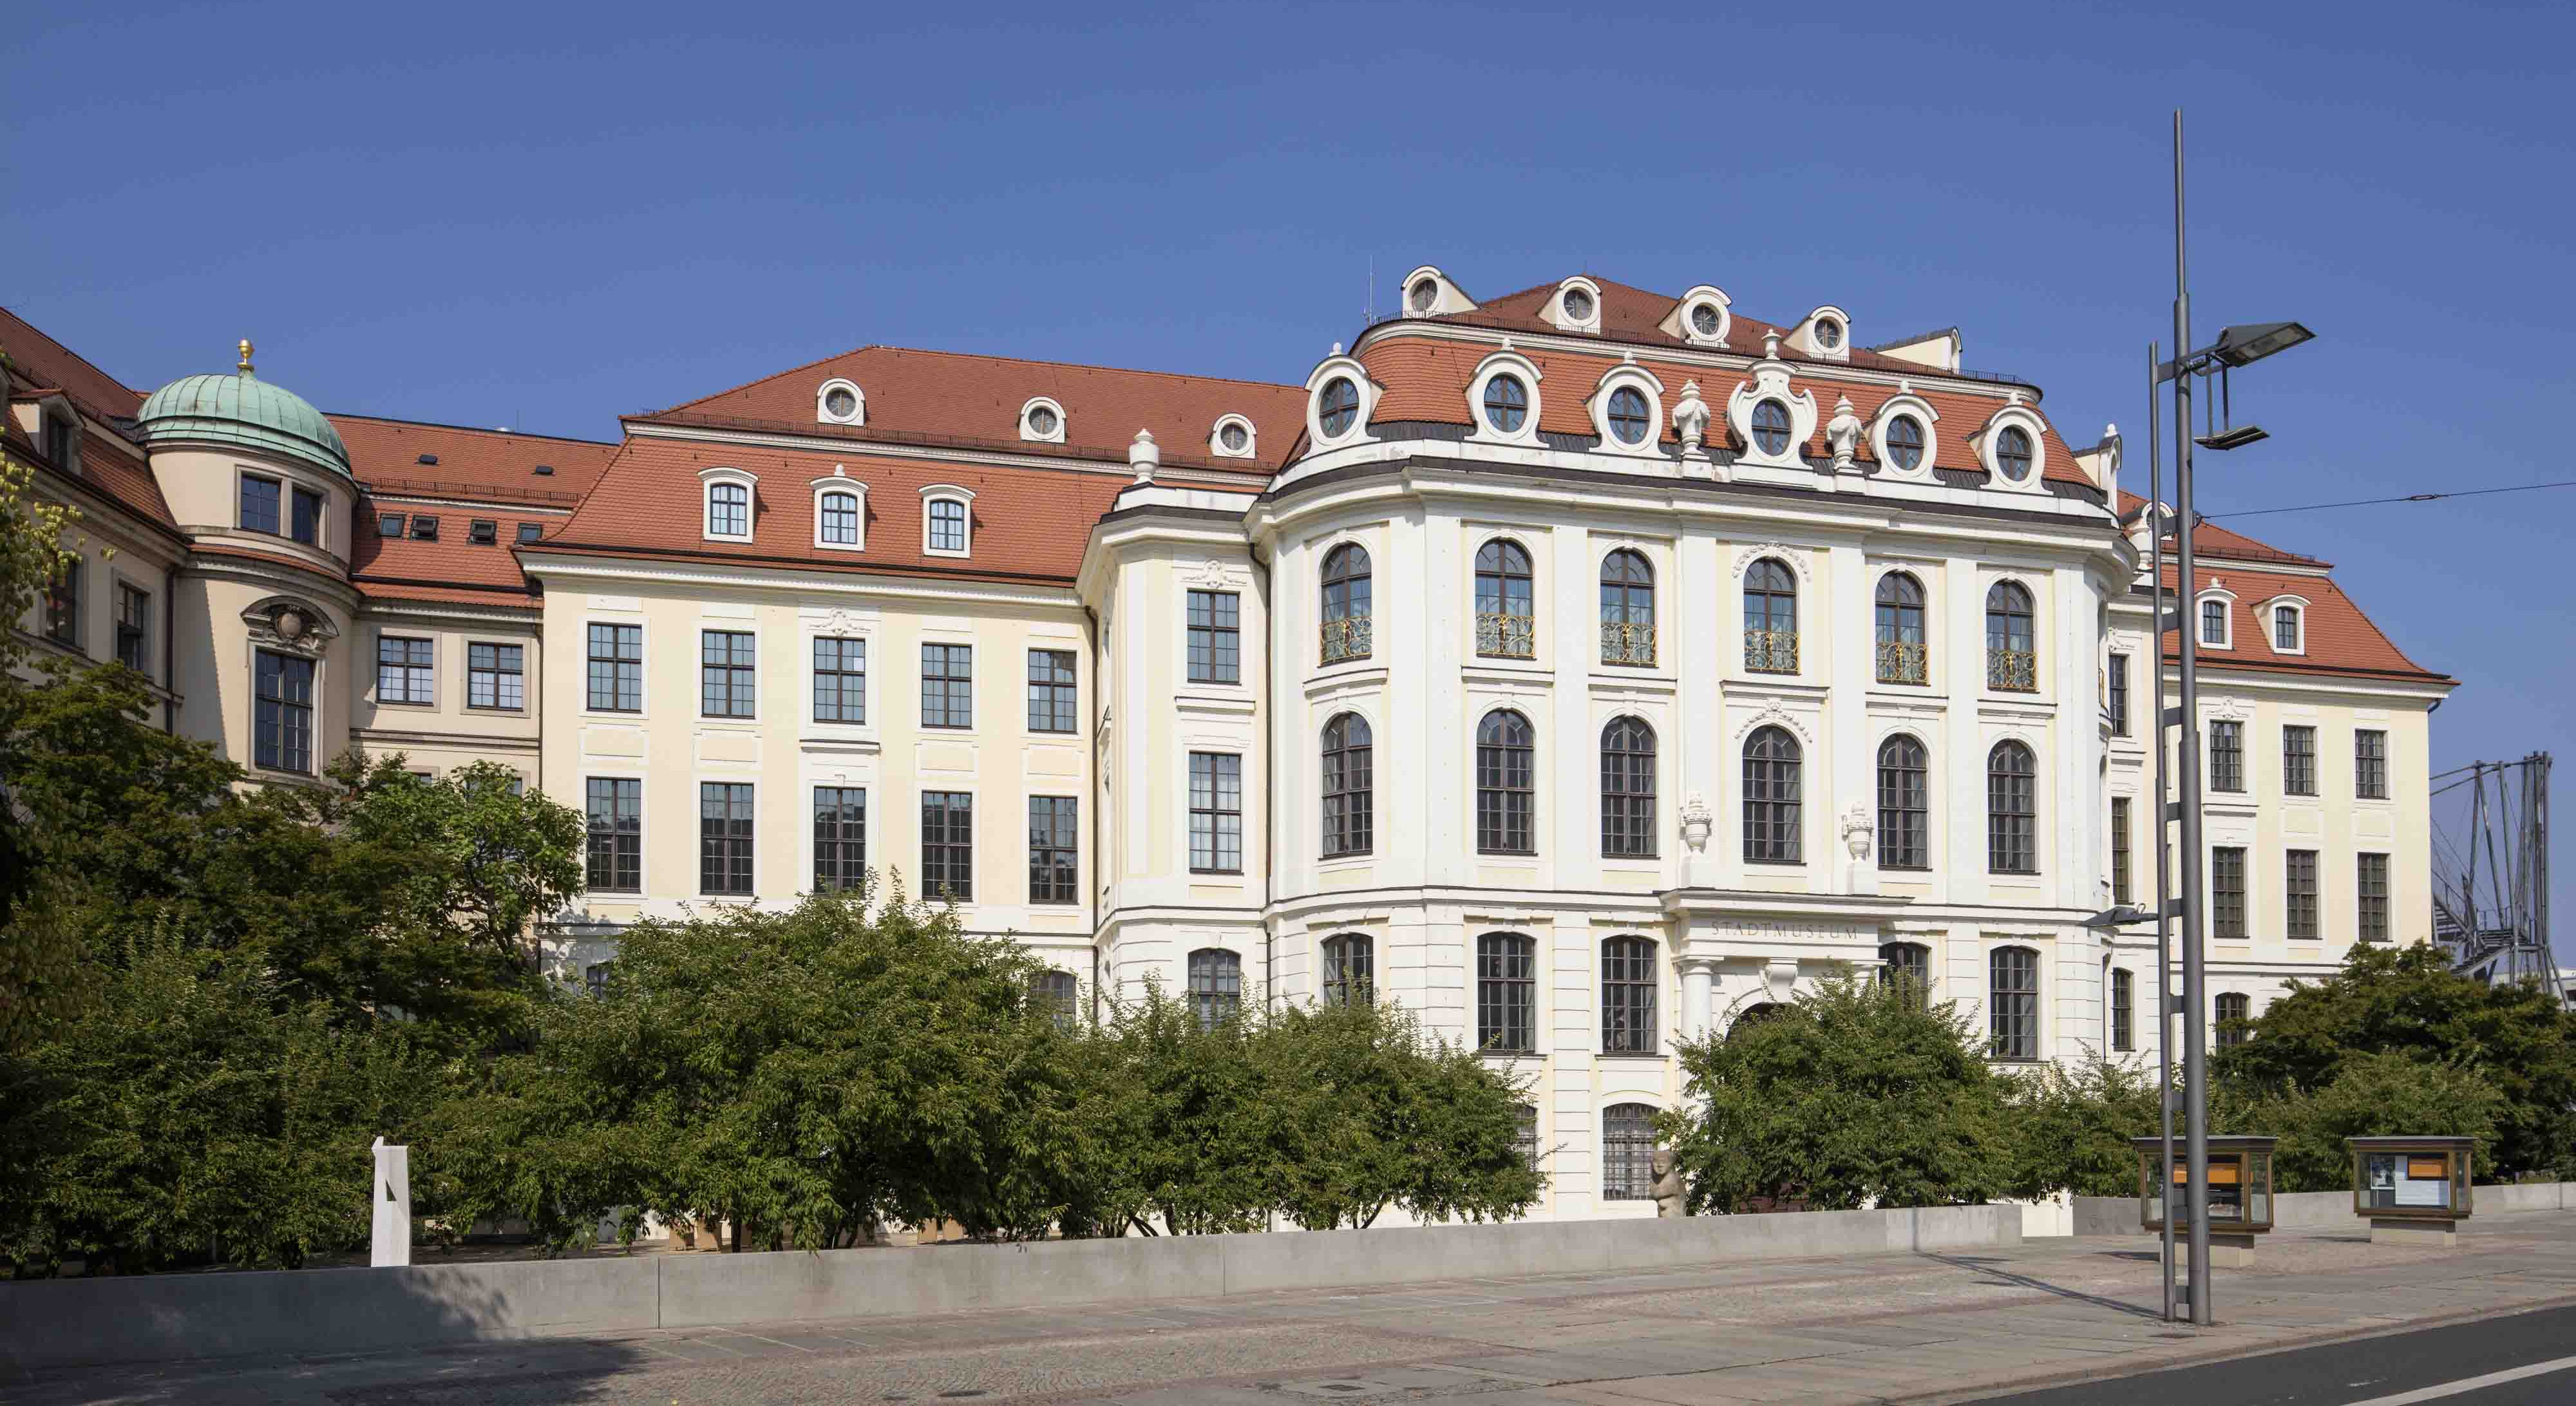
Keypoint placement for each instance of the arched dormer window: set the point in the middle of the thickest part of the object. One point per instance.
(2289, 621)
(728, 504)
(947, 521)
(1346, 607)
(2012, 647)
(1503, 400)
(1770, 617)
(839, 401)
(1340, 398)
(1903, 654)
(1900, 436)
(1576, 306)
(1233, 437)
(1701, 317)
(1042, 420)
(2014, 448)
(840, 513)
(1627, 609)
(1505, 622)
(1627, 410)
(2214, 617)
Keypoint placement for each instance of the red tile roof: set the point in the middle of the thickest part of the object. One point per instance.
(915, 396)
(453, 568)
(1630, 314)
(492, 466)
(1027, 523)
(46, 362)
(2208, 539)
(2340, 639)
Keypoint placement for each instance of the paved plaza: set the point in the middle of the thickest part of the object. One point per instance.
(1920, 1327)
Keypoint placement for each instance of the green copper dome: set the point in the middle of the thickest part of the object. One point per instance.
(242, 409)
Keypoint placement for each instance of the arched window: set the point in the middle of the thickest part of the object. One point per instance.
(1216, 985)
(728, 510)
(840, 520)
(1753, 1015)
(2234, 1009)
(2012, 810)
(2012, 1004)
(1628, 1152)
(1628, 996)
(1503, 601)
(2012, 652)
(1627, 609)
(1503, 784)
(1770, 618)
(1771, 814)
(2285, 629)
(1506, 993)
(1346, 603)
(1628, 789)
(1053, 994)
(1903, 656)
(1350, 781)
(947, 526)
(1349, 967)
(1904, 806)
(1909, 965)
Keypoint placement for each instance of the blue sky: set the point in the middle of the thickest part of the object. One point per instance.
(541, 216)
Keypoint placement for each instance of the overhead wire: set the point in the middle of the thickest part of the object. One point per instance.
(2402, 498)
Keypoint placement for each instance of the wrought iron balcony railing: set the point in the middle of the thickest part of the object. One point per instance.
(2012, 670)
(1501, 635)
(1628, 642)
(1902, 661)
(1771, 651)
(1347, 638)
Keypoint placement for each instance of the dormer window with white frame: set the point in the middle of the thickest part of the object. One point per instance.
(2214, 617)
(1772, 423)
(1042, 421)
(2286, 621)
(1233, 437)
(1702, 317)
(1628, 411)
(729, 496)
(1430, 293)
(1340, 400)
(59, 434)
(1502, 400)
(840, 513)
(1576, 306)
(1901, 435)
(947, 521)
(1824, 335)
(2013, 447)
(839, 401)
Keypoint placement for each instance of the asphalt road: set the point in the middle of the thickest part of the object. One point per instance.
(2395, 1370)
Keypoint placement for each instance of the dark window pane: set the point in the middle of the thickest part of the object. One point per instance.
(2300, 891)
(2013, 1003)
(728, 661)
(282, 716)
(1628, 789)
(1907, 964)
(947, 685)
(405, 671)
(947, 525)
(2299, 760)
(615, 844)
(2123, 1010)
(840, 680)
(2226, 756)
(1349, 968)
(1215, 640)
(617, 668)
(2227, 894)
(1504, 604)
(948, 846)
(1904, 804)
(1054, 849)
(1505, 788)
(1054, 699)
(1346, 623)
(1628, 984)
(259, 504)
(840, 837)
(1628, 1152)
(724, 837)
(306, 524)
(2370, 765)
(1216, 985)
(1216, 813)
(2012, 810)
(1772, 817)
(1349, 785)
(1506, 993)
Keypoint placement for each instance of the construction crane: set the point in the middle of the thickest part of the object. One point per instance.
(2491, 870)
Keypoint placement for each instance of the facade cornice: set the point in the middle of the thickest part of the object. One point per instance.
(1684, 355)
(236, 567)
(479, 741)
(496, 613)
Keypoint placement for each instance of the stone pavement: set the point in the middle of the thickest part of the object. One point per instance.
(1921, 1327)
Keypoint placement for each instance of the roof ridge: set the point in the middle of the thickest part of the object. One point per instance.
(468, 429)
(965, 356)
(115, 381)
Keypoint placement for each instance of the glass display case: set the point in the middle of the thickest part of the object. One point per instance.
(2411, 1178)
(2240, 1183)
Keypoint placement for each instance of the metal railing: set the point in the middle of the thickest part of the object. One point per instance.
(1502, 635)
(1347, 638)
(1904, 661)
(1771, 651)
(1628, 642)
(2012, 670)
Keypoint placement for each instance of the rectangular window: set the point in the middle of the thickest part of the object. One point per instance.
(63, 603)
(2120, 849)
(2213, 623)
(2226, 756)
(496, 676)
(2372, 891)
(948, 846)
(530, 532)
(2370, 765)
(482, 532)
(947, 525)
(2227, 894)
(1054, 699)
(840, 837)
(1053, 849)
(133, 629)
(259, 504)
(1215, 637)
(389, 525)
(617, 668)
(724, 837)
(2116, 696)
(305, 525)
(2012, 1017)
(947, 685)
(1216, 813)
(283, 718)
(2123, 1007)
(728, 660)
(2299, 760)
(424, 527)
(2301, 888)
(405, 672)
(616, 840)
(840, 680)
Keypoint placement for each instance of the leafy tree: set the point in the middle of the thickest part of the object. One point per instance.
(1180, 1107)
(2377, 1094)
(2515, 1037)
(40, 968)
(1856, 1093)
(2071, 1128)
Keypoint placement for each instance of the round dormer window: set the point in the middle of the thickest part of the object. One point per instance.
(1340, 407)
(1423, 294)
(1829, 333)
(840, 402)
(1629, 417)
(1041, 421)
(1506, 403)
(1704, 319)
(2012, 453)
(1771, 427)
(1905, 442)
(1234, 436)
(1578, 305)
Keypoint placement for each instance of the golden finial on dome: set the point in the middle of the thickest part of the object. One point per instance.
(245, 356)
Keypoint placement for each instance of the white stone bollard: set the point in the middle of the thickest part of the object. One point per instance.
(392, 1197)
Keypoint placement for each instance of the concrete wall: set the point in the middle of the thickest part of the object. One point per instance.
(2319, 1210)
(164, 1317)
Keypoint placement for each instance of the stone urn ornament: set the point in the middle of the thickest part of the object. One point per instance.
(1690, 422)
(1843, 433)
(1859, 829)
(1696, 823)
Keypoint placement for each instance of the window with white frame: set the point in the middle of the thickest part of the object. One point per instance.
(947, 528)
(2289, 634)
(404, 670)
(840, 515)
(729, 510)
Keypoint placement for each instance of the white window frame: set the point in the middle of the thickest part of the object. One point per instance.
(1804, 339)
(1557, 315)
(708, 480)
(527, 684)
(2022, 417)
(1713, 296)
(964, 498)
(1637, 378)
(2227, 618)
(2270, 613)
(823, 394)
(1216, 437)
(840, 482)
(727, 625)
(1770, 381)
(1031, 432)
(1325, 373)
(1905, 402)
(1499, 364)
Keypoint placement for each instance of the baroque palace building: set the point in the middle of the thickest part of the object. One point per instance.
(1587, 668)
